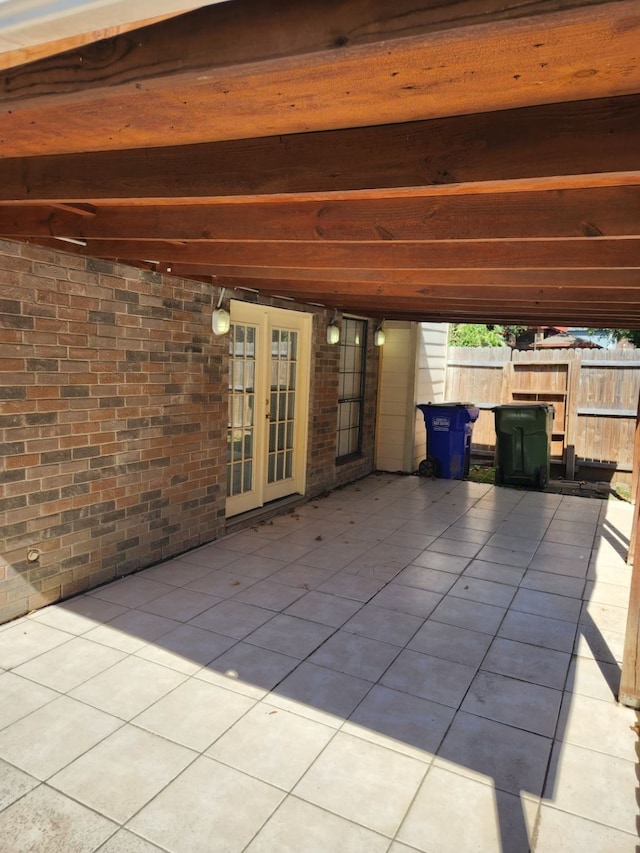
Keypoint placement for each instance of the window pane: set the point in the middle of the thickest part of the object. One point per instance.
(351, 386)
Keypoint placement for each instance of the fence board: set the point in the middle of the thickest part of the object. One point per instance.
(594, 393)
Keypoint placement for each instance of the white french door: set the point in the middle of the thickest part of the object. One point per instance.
(269, 360)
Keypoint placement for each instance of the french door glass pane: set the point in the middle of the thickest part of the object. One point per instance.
(241, 428)
(284, 349)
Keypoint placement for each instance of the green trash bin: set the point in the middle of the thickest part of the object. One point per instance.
(523, 443)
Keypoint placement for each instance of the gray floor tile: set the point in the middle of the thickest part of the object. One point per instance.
(132, 630)
(348, 585)
(272, 744)
(556, 584)
(258, 567)
(45, 821)
(299, 826)
(324, 690)
(547, 604)
(120, 775)
(379, 623)
(205, 809)
(332, 610)
(559, 566)
(220, 584)
(186, 648)
(181, 604)
(213, 556)
(528, 663)
(429, 677)
(335, 554)
(513, 759)
(406, 599)
(497, 572)
(531, 707)
(253, 665)
(290, 635)
(488, 592)
(78, 615)
(362, 782)
(400, 721)
(420, 577)
(54, 735)
(233, 618)
(514, 543)
(355, 655)
(538, 631)
(132, 591)
(473, 615)
(299, 575)
(270, 595)
(455, 547)
(451, 643)
(442, 562)
(178, 573)
(504, 556)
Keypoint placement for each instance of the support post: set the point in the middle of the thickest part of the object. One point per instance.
(630, 679)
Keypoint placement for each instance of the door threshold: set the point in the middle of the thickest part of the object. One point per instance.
(263, 513)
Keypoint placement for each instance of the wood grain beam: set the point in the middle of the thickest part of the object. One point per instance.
(600, 252)
(587, 141)
(129, 97)
(610, 211)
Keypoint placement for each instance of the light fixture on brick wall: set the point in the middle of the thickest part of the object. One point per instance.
(379, 336)
(220, 319)
(333, 330)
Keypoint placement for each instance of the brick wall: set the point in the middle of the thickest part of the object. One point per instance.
(113, 414)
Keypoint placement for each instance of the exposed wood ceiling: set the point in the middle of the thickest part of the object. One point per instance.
(473, 161)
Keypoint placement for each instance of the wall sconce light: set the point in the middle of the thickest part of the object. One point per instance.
(379, 336)
(220, 319)
(333, 330)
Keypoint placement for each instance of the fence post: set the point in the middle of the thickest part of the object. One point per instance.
(630, 679)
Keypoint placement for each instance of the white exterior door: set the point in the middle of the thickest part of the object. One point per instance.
(269, 360)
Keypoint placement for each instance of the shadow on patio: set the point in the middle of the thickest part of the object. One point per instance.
(402, 665)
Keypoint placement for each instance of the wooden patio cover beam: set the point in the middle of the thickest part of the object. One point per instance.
(241, 71)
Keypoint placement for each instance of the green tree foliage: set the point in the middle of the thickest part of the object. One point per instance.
(632, 335)
(475, 335)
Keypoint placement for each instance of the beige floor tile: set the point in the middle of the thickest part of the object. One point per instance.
(599, 643)
(233, 618)
(429, 677)
(78, 615)
(453, 813)
(335, 554)
(604, 726)
(120, 775)
(205, 810)
(213, 556)
(378, 623)
(406, 599)
(354, 655)
(194, 714)
(69, 665)
(28, 639)
(126, 842)
(597, 679)
(559, 832)
(400, 721)
(20, 697)
(528, 663)
(128, 687)
(591, 785)
(332, 610)
(14, 784)
(362, 782)
(606, 616)
(253, 566)
(272, 744)
(285, 549)
(299, 575)
(531, 707)
(290, 636)
(299, 826)
(45, 821)
(54, 735)
(607, 593)
(450, 642)
(186, 648)
(320, 693)
(514, 761)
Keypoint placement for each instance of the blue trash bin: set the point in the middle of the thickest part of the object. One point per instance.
(449, 428)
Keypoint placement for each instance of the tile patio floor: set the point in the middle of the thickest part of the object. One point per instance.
(404, 665)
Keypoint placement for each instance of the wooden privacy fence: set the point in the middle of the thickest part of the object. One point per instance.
(594, 394)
